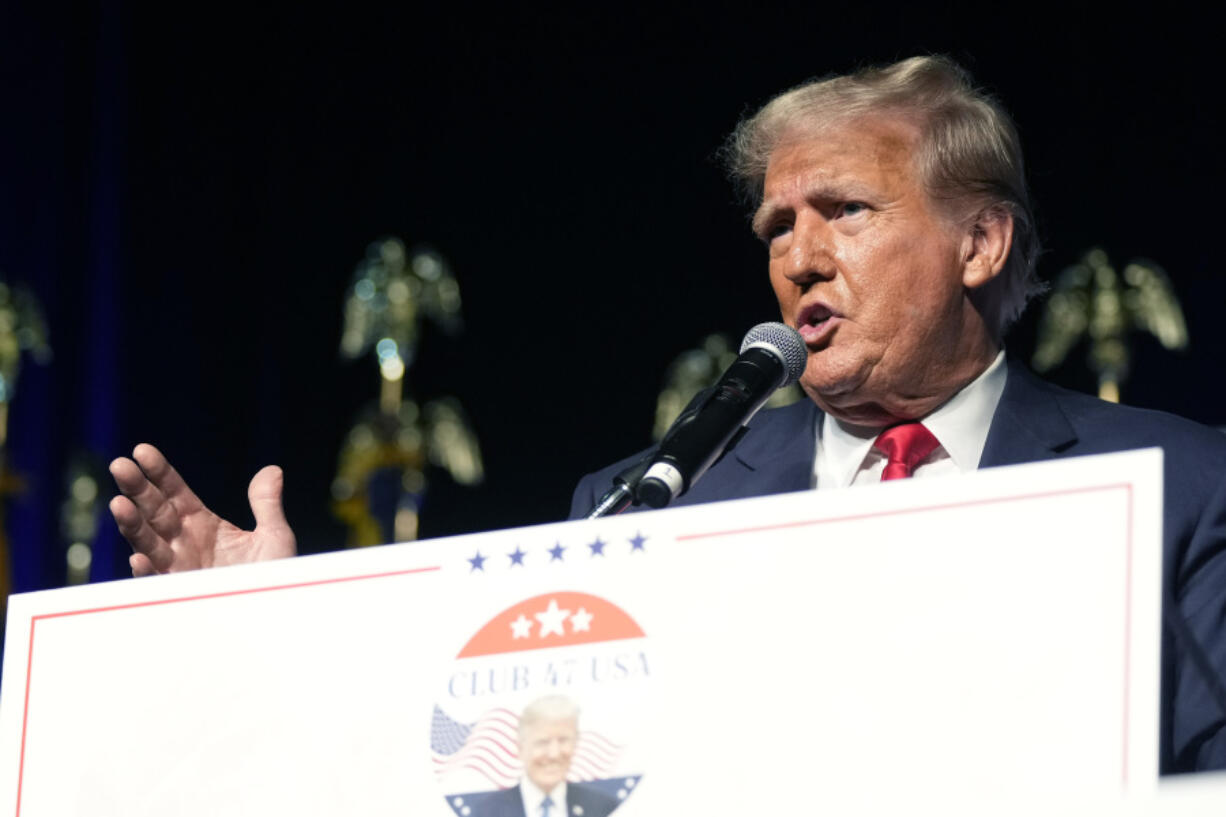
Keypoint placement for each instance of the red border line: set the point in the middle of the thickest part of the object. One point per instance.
(227, 593)
(25, 715)
(1127, 634)
(901, 511)
(1127, 487)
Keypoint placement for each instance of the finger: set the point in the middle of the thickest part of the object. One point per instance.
(140, 535)
(147, 498)
(127, 475)
(264, 494)
(140, 564)
(163, 498)
(163, 475)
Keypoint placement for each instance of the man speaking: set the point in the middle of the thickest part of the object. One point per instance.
(901, 245)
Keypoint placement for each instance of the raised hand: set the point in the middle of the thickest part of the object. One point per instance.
(171, 530)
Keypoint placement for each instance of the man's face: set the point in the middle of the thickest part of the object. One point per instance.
(545, 749)
(869, 271)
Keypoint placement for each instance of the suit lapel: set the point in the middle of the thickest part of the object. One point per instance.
(1028, 425)
(779, 453)
(512, 806)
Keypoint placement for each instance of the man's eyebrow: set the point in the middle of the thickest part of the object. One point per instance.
(820, 189)
(763, 216)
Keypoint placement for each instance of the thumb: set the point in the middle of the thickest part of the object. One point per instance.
(264, 493)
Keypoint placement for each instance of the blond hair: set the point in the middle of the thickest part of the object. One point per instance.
(548, 708)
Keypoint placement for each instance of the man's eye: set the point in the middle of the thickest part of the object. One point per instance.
(852, 208)
(776, 230)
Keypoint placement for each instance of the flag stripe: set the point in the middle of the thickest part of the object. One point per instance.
(500, 762)
(597, 739)
(496, 764)
(498, 781)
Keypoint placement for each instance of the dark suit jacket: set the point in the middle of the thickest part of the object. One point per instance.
(1038, 421)
(581, 801)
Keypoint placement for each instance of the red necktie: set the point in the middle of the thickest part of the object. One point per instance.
(906, 446)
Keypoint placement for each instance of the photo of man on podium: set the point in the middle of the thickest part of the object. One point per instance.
(548, 735)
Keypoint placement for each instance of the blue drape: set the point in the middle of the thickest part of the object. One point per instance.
(61, 237)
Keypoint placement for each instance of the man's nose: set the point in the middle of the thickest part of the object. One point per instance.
(810, 254)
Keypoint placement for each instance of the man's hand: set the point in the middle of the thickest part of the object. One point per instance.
(171, 530)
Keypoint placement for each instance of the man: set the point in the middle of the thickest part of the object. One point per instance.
(548, 734)
(900, 239)
(901, 245)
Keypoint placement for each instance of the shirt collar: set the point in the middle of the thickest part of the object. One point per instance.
(960, 426)
(533, 796)
(842, 449)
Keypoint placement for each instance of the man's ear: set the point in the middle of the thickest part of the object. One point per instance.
(986, 246)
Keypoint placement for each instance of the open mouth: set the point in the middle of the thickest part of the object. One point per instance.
(816, 320)
(815, 315)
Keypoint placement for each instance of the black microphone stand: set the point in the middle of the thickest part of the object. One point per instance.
(624, 492)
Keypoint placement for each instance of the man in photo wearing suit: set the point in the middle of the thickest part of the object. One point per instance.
(901, 245)
(548, 734)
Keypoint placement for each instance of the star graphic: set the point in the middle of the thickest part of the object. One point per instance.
(552, 619)
(636, 543)
(581, 621)
(517, 558)
(597, 547)
(555, 552)
(477, 562)
(521, 627)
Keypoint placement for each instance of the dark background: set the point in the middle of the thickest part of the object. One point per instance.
(189, 190)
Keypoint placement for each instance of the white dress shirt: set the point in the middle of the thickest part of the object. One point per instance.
(845, 453)
(533, 797)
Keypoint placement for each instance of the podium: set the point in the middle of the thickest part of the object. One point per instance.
(934, 645)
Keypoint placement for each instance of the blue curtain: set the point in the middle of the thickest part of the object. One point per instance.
(61, 237)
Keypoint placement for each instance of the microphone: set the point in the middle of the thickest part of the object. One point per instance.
(772, 356)
(625, 484)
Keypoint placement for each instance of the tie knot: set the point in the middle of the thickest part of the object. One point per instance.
(546, 805)
(905, 446)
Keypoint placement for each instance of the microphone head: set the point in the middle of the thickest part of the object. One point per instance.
(785, 343)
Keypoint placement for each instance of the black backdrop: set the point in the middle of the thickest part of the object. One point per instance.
(189, 191)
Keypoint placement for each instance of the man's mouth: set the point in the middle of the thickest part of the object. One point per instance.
(815, 322)
(813, 314)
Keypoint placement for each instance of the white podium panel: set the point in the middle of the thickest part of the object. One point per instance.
(992, 636)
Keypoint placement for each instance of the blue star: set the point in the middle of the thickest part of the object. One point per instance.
(555, 552)
(517, 558)
(477, 562)
(636, 543)
(597, 547)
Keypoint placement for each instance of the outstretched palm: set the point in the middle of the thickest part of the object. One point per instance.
(171, 530)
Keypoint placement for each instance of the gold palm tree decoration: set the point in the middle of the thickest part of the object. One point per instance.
(1091, 299)
(22, 329)
(382, 462)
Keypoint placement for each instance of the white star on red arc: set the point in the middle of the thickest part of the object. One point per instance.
(581, 621)
(521, 627)
(552, 619)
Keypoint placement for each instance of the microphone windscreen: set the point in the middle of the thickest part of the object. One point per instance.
(787, 344)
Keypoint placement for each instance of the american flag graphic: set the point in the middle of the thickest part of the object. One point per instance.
(489, 747)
